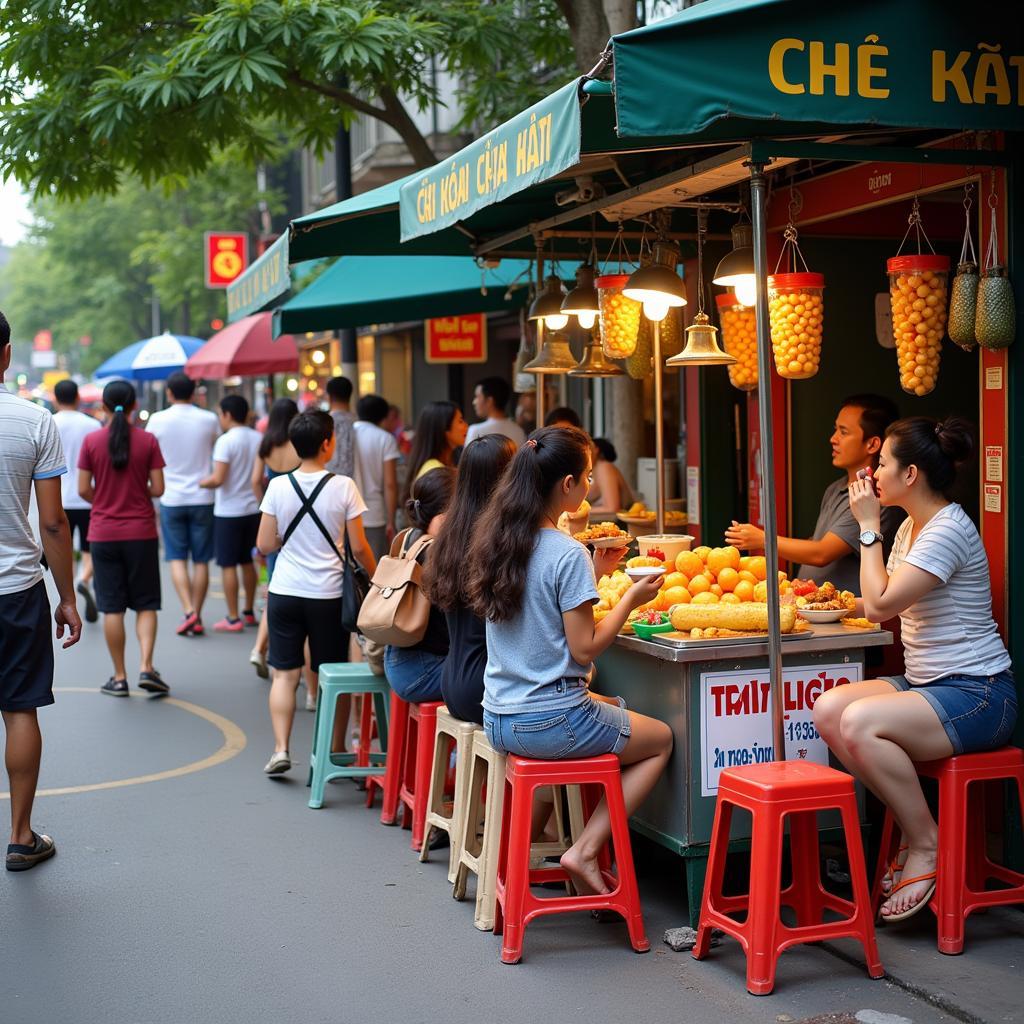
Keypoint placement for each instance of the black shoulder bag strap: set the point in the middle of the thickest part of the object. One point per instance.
(307, 509)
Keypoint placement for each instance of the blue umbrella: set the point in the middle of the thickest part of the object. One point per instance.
(152, 358)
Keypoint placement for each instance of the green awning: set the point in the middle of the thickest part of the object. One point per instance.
(939, 64)
(266, 279)
(388, 289)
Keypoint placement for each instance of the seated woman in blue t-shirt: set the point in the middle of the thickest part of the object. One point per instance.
(534, 586)
(957, 694)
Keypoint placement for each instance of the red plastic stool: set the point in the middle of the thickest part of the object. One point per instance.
(516, 905)
(963, 865)
(418, 761)
(771, 792)
(398, 731)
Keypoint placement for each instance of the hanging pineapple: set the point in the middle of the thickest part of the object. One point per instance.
(963, 301)
(995, 323)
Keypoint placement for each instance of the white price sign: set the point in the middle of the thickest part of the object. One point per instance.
(735, 717)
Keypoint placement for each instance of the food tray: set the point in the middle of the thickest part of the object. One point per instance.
(683, 641)
(622, 541)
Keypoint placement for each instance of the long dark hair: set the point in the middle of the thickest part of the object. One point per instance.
(429, 441)
(282, 412)
(937, 447)
(504, 536)
(119, 397)
(431, 496)
(480, 468)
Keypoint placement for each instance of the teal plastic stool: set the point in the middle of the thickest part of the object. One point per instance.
(337, 680)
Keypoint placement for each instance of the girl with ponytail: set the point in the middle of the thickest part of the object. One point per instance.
(534, 587)
(120, 472)
(957, 693)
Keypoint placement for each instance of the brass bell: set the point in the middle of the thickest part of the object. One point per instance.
(554, 356)
(594, 363)
(701, 346)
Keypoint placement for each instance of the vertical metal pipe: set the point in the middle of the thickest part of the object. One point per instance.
(659, 432)
(539, 377)
(764, 402)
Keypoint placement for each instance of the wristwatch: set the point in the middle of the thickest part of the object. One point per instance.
(869, 537)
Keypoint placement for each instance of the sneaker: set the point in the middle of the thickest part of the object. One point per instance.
(259, 660)
(188, 624)
(115, 687)
(152, 683)
(229, 626)
(91, 612)
(22, 858)
(279, 763)
(197, 629)
(310, 701)
(249, 618)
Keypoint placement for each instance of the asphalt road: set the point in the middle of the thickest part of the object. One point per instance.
(189, 887)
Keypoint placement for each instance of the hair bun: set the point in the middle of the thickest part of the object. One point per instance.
(955, 438)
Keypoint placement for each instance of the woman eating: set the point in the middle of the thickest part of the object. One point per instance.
(957, 694)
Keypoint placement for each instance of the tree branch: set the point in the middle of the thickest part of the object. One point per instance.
(398, 117)
(341, 95)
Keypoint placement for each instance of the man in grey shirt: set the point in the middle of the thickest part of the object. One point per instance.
(833, 553)
(343, 462)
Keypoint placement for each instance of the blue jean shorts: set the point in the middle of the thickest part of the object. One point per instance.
(977, 712)
(414, 675)
(187, 528)
(587, 730)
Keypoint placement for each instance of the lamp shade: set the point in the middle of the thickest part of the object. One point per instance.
(548, 304)
(554, 356)
(594, 363)
(736, 269)
(582, 301)
(658, 285)
(701, 346)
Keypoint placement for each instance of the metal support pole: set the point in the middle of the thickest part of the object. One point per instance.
(768, 512)
(659, 433)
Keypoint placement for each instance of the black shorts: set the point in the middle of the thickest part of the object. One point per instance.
(126, 574)
(234, 537)
(26, 650)
(78, 519)
(292, 621)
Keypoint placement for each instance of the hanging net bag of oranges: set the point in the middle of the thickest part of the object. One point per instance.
(796, 312)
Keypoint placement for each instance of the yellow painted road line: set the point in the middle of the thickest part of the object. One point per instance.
(234, 744)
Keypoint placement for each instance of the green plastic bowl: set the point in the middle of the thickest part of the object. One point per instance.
(645, 632)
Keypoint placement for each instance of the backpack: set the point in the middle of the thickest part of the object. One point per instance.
(395, 610)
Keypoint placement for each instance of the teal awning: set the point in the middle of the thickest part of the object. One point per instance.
(266, 279)
(388, 289)
(939, 64)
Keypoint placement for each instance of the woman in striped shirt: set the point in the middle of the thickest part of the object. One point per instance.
(957, 694)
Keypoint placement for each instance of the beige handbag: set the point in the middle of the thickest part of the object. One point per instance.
(396, 610)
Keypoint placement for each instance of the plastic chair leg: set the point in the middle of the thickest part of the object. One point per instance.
(630, 893)
(765, 892)
(490, 850)
(715, 875)
(514, 868)
(320, 758)
(398, 733)
(865, 915)
(951, 868)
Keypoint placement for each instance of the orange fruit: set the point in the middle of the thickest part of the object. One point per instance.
(689, 564)
(700, 584)
(744, 590)
(729, 599)
(702, 552)
(675, 579)
(717, 590)
(721, 558)
(758, 567)
(728, 578)
(746, 574)
(761, 592)
(674, 595)
(705, 598)
(684, 597)
(745, 563)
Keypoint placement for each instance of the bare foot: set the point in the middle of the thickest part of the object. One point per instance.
(585, 874)
(918, 863)
(892, 875)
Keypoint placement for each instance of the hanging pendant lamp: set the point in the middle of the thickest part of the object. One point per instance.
(554, 356)
(594, 363)
(582, 302)
(658, 286)
(523, 381)
(548, 305)
(736, 269)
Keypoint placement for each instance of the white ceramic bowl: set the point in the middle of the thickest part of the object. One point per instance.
(670, 543)
(831, 615)
(641, 572)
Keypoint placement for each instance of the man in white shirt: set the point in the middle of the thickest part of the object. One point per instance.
(73, 426)
(187, 435)
(490, 402)
(236, 512)
(377, 458)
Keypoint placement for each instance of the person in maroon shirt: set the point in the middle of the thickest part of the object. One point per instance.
(120, 472)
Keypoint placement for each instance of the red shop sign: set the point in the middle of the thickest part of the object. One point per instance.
(457, 339)
(226, 256)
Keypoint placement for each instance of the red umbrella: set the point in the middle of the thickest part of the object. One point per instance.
(245, 349)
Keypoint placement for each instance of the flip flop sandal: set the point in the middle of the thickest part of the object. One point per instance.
(919, 905)
(21, 857)
(894, 866)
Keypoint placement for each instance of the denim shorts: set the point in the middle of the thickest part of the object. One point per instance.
(413, 674)
(977, 712)
(589, 729)
(187, 528)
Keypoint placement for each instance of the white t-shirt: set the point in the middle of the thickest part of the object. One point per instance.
(187, 435)
(73, 426)
(950, 630)
(306, 566)
(237, 448)
(492, 426)
(374, 447)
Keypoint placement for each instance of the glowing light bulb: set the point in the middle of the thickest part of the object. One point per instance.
(318, 356)
(656, 309)
(746, 290)
(292, 385)
(556, 321)
(586, 318)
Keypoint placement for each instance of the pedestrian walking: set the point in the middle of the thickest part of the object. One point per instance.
(377, 458)
(307, 515)
(275, 457)
(236, 512)
(490, 403)
(120, 471)
(339, 394)
(187, 435)
(31, 458)
(73, 426)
